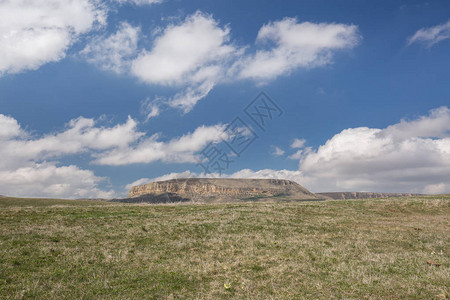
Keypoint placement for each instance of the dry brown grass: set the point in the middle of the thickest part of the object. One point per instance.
(371, 249)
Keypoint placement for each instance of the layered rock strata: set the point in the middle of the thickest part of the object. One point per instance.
(198, 188)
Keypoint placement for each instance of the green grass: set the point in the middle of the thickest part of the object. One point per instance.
(7, 202)
(361, 249)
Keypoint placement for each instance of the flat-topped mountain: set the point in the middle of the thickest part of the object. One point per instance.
(233, 189)
(204, 189)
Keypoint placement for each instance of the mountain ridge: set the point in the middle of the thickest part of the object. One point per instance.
(222, 189)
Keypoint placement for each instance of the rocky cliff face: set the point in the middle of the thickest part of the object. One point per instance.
(195, 188)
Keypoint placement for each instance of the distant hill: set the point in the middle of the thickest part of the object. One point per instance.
(363, 195)
(209, 190)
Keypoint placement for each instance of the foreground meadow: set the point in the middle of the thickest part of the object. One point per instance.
(363, 249)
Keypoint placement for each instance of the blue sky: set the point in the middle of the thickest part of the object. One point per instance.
(96, 96)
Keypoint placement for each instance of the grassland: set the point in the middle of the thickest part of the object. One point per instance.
(362, 249)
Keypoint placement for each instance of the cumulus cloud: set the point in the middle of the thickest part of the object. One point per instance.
(48, 180)
(21, 175)
(295, 45)
(192, 56)
(198, 54)
(189, 52)
(27, 167)
(179, 150)
(35, 32)
(121, 144)
(435, 125)
(410, 156)
(431, 35)
(80, 136)
(9, 128)
(115, 51)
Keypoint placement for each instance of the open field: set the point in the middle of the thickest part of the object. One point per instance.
(372, 249)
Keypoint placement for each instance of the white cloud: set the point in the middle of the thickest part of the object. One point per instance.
(35, 32)
(22, 175)
(436, 125)
(139, 2)
(48, 180)
(431, 35)
(26, 171)
(9, 127)
(295, 45)
(114, 52)
(80, 136)
(151, 108)
(278, 151)
(192, 56)
(298, 143)
(269, 174)
(411, 156)
(179, 150)
(195, 55)
(190, 52)
(153, 112)
(186, 100)
(121, 144)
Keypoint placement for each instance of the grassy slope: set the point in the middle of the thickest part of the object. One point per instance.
(23, 203)
(53, 249)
